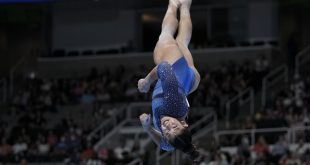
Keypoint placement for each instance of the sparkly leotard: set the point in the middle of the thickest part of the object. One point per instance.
(170, 92)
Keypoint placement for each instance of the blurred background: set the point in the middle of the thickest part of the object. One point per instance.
(69, 69)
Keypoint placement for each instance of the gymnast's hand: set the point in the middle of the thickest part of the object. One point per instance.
(145, 120)
(144, 85)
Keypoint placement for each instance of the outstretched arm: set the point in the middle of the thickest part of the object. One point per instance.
(152, 76)
(144, 84)
(151, 131)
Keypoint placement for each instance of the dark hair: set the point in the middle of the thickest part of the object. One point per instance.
(183, 142)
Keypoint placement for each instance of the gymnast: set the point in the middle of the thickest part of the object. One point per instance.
(177, 77)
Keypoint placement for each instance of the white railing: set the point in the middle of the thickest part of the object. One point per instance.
(137, 161)
(301, 58)
(125, 113)
(207, 122)
(3, 91)
(244, 97)
(104, 138)
(135, 109)
(107, 126)
(278, 75)
(204, 125)
(290, 132)
(118, 121)
(252, 133)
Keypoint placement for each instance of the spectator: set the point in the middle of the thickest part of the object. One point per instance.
(51, 139)
(94, 162)
(279, 149)
(43, 147)
(261, 147)
(62, 146)
(5, 148)
(88, 153)
(20, 147)
(88, 97)
(244, 151)
(249, 124)
(103, 153)
(290, 159)
(73, 142)
(219, 159)
(238, 160)
(301, 148)
(261, 159)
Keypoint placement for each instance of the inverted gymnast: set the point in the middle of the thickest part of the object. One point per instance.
(177, 78)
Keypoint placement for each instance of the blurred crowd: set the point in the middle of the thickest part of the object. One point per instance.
(261, 153)
(287, 108)
(104, 87)
(33, 138)
(218, 85)
(289, 105)
(114, 86)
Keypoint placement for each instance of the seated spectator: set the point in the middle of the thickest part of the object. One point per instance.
(103, 153)
(238, 160)
(249, 124)
(62, 146)
(88, 152)
(19, 147)
(219, 159)
(94, 161)
(244, 151)
(301, 148)
(306, 157)
(43, 147)
(290, 159)
(73, 142)
(51, 139)
(88, 97)
(261, 147)
(5, 148)
(279, 149)
(261, 159)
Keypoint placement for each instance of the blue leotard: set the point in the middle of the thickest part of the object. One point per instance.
(169, 95)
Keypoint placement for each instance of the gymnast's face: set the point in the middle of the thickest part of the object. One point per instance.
(172, 126)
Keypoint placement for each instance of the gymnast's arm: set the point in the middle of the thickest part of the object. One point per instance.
(152, 76)
(155, 135)
(144, 84)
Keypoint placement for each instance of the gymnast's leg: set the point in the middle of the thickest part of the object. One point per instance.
(184, 37)
(166, 48)
(185, 30)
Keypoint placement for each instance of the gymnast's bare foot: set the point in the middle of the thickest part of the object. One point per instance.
(186, 3)
(175, 3)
